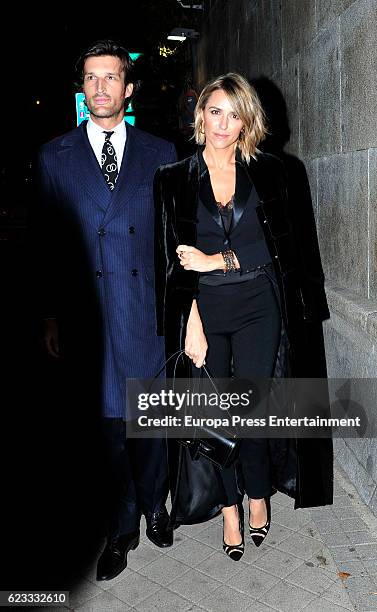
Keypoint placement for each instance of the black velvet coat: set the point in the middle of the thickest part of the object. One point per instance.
(302, 468)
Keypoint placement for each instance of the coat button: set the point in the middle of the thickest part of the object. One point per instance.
(99, 273)
(134, 272)
(265, 221)
(276, 257)
(131, 229)
(101, 231)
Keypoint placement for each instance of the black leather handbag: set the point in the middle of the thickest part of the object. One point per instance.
(219, 446)
(195, 464)
(215, 447)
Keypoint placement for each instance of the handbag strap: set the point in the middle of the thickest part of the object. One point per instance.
(179, 355)
(209, 376)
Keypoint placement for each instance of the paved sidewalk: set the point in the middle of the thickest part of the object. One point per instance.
(318, 560)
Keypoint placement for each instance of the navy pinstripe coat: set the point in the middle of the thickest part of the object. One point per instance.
(100, 255)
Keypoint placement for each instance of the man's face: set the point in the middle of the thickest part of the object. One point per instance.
(104, 87)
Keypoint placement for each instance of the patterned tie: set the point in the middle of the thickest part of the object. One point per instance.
(109, 164)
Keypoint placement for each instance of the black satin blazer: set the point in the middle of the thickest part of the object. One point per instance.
(290, 234)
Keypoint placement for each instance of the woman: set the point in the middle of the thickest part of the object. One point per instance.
(231, 290)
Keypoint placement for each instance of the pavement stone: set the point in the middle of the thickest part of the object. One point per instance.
(83, 592)
(354, 568)
(145, 555)
(164, 600)
(292, 520)
(212, 536)
(253, 581)
(278, 533)
(253, 553)
(361, 537)
(283, 594)
(298, 567)
(134, 589)
(366, 552)
(324, 561)
(323, 605)
(352, 524)
(165, 570)
(194, 585)
(345, 513)
(226, 598)
(337, 595)
(220, 565)
(258, 606)
(301, 546)
(370, 565)
(278, 563)
(191, 552)
(329, 526)
(314, 579)
(105, 602)
(337, 539)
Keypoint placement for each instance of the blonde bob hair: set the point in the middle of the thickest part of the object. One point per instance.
(246, 104)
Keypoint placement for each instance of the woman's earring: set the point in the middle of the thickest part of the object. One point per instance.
(201, 131)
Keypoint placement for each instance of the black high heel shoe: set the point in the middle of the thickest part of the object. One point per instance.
(236, 551)
(258, 534)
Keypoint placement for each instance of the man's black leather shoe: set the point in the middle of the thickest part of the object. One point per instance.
(114, 557)
(157, 531)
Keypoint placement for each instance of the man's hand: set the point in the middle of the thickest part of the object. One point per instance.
(193, 259)
(51, 337)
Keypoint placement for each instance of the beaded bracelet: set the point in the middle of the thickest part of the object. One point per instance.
(229, 263)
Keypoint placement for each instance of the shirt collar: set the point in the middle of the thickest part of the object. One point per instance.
(120, 129)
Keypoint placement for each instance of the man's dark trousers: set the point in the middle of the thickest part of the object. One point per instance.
(136, 477)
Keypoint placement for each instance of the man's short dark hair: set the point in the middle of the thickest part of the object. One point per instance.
(105, 47)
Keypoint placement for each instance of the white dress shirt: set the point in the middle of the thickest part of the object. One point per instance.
(97, 138)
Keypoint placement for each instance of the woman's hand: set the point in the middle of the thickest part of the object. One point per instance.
(195, 343)
(193, 259)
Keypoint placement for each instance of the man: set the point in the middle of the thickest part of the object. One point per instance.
(96, 186)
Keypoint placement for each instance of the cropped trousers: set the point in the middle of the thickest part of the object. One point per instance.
(242, 324)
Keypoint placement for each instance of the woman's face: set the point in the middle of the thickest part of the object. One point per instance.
(221, 124)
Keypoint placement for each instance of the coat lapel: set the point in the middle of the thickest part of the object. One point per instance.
(186, 195)
(241, 197)
(266, 189)
(208, 199)
(85, 166)
(131, 175)
(272, 208)
(187, 201)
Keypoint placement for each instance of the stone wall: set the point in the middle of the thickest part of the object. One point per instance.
(322, 54)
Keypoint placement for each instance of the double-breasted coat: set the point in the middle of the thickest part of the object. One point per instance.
(97, 258)
(302, 468)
